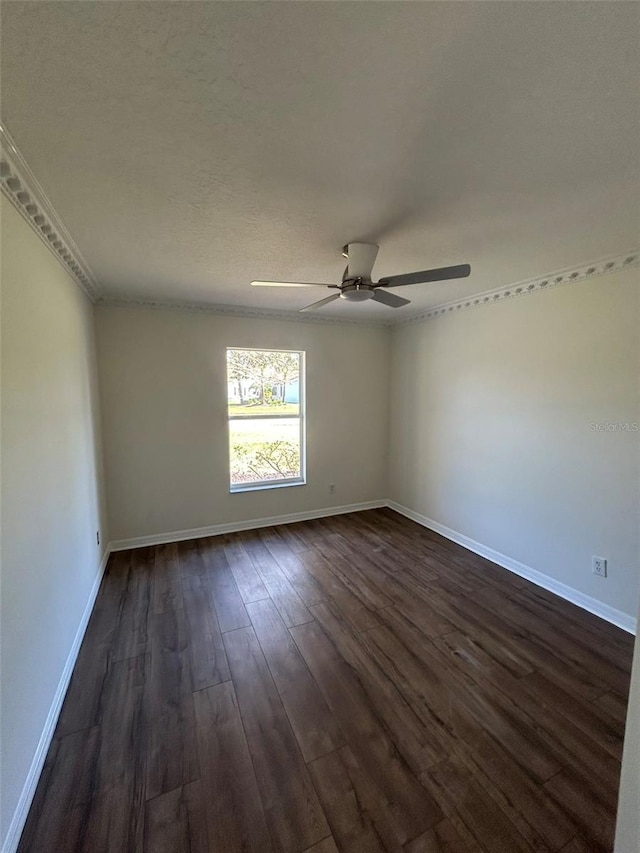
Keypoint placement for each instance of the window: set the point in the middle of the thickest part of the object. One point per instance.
(265, 398)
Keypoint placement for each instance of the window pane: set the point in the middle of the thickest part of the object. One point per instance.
(264, 449)
(251, 408)
(265, 410)
(263, 382)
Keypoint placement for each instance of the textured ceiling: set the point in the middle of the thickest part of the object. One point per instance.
(191, 147)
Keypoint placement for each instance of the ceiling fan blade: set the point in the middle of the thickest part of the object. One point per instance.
(389, 299)
(315, 305)
(361, 257)
(290, 284)
(442, 274)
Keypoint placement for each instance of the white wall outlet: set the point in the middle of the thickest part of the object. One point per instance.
(98, 536)
(599, 566)
(332, 488)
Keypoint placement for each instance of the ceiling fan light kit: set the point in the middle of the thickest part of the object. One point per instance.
(357, 286)
(357, 292)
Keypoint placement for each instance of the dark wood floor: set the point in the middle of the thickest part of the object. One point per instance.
(356, 684)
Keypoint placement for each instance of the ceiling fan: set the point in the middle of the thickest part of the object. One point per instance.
(357, 286)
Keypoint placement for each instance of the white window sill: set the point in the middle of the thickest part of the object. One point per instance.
(259, 487)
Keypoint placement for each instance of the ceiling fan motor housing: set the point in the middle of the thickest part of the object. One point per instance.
(357, 291)
(357, 286)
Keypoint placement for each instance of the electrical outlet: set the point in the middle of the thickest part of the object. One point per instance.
(599, 566)
(98, 536)
(332, 488)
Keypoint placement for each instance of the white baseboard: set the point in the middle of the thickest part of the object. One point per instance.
(610, 614)
(18, 821)
(235, 526)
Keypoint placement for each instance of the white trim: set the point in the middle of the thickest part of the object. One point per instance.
(236, 526)
(264, 485)
(19, 818)
(244, 311)
(559, 278)
(21, 187)
(604, 611)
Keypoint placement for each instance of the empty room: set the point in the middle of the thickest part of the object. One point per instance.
(320, 427)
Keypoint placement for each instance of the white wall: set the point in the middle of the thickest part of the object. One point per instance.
(490, 430)
(51, 497)
(163, 386)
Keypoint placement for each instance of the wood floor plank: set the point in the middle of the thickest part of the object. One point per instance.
(413, 739)
(57, 816)
(520, 612)
(136, 605)
(579, 796)
(446, 553)
(82, 705)
(410, 550)
(366, 734)
(477, 810)
(191, 557)
(313, 724)
(207, 654)
(417, 680)
(412, 601)
(550, 731)
(291, 534)
(432, 689)
(247, 579)
(479, 657)
(582, 627)
(230, 609)
(350, 606)
(453, 609)
(172, 755)
(167, 588)
(327, 845)
(359, 574)
(109, 635)
(586, 716)
(614, 706)
(114, 818)
(291, 805)
(578, 845)
(412, 539)
(286, 599)
(233, 808)
(174, 822)
(541, 652)
(386, 556)
(289, 561)
(358, 817)
(537, 650)
(519, 794)
(520, 738)
(442, 838)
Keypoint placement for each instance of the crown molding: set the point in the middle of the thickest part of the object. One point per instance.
(238, 311)
(21, 187)
(570, 275)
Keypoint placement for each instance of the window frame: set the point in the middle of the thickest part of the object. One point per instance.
(260, 485)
